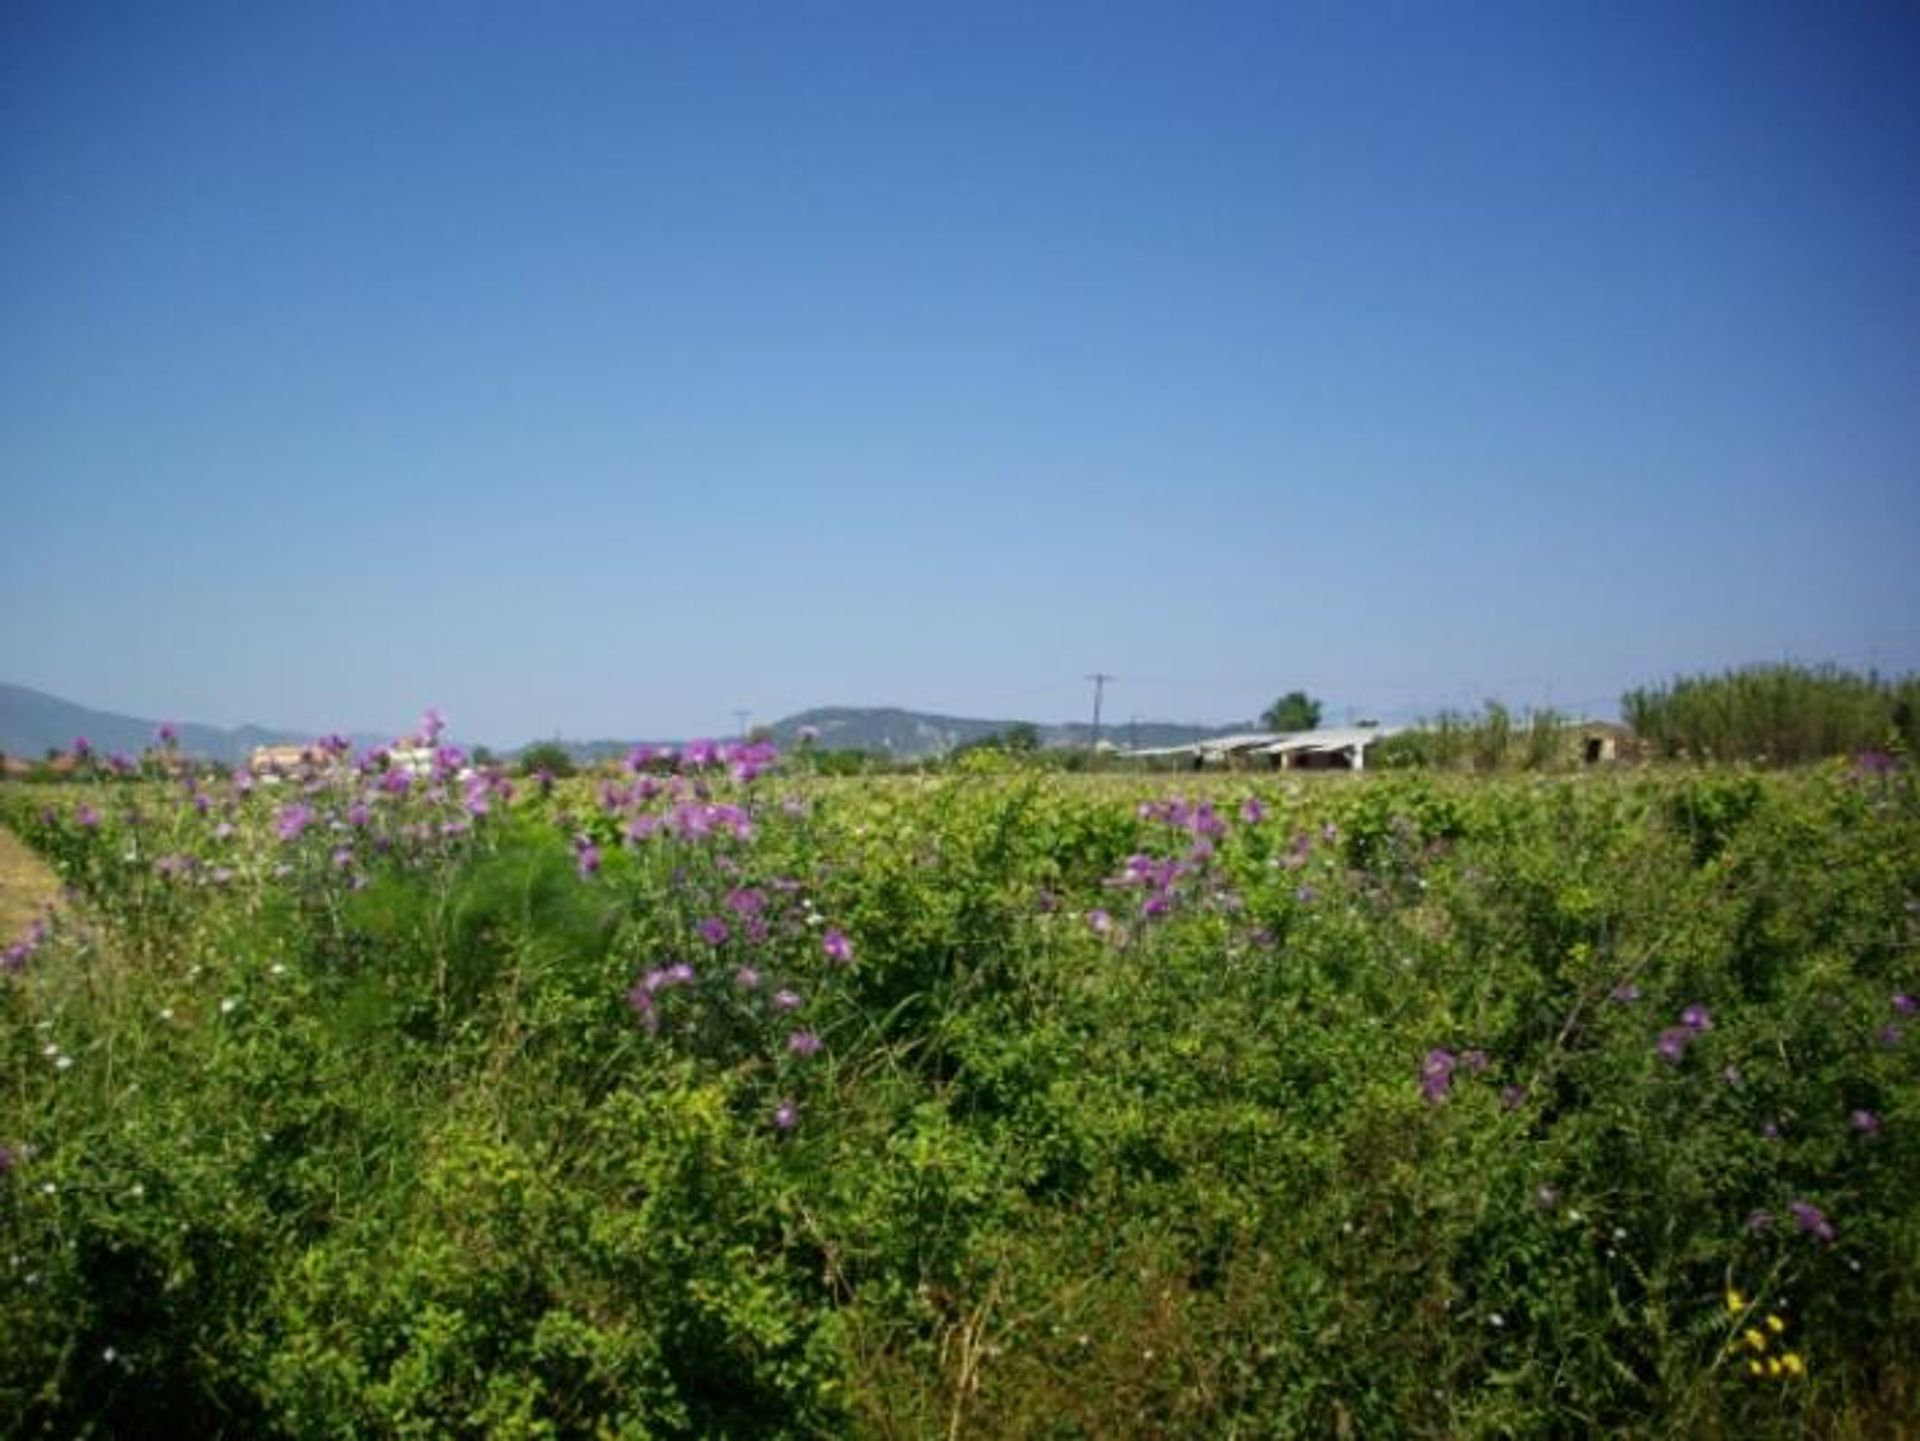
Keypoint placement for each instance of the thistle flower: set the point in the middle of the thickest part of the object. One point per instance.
(1697, 1018)
(1672, 1044)
(292, 820)
(786, 1115)
(713, 931)
(1436, 1075)
(1905, 1004)
(1865, 1122)
(837, 947)
(1811, 1219)
(803, 1043)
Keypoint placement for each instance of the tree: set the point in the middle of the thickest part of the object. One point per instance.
(548, 756)
(1294, 711)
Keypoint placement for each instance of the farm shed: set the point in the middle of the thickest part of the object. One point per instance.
(1341, 748)
(1603, 741)
(276, 760)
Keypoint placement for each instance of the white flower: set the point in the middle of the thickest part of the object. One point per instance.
(227, 1004)
(63, 1062)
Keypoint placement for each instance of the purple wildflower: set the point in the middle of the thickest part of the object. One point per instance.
(747, 978)
(82, 748)
(586, 857)
(1760, 1220)
(1865, 1122)
(803, 1043)
(1891, 1035)
(713, 931)
(87, 816)
(1436, 1075)
(292, 820)
(1100, 922)
(1769, 1130)
(1697, 1018)
(838, 948)
(1476, 1060)
(786, 1115)
(1905, 1004)
(1512, 1098)
(1672, 1044)
(168, 733)
(1811, 1219)
(1252, 811)
(1626, 993)
(786, 1001)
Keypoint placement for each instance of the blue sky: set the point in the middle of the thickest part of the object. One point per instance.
(603, 369)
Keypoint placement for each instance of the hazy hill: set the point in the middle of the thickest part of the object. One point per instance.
(33, 722)
(910, 735)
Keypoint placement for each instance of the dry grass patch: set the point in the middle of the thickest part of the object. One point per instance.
(27, 887)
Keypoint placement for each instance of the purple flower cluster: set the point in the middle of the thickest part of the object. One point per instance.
(1674, 1040)
(1812, 1220)
(16, 956)
(660, 978)
(1440, 1068)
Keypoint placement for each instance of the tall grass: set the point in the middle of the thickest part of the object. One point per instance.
(1783, 714)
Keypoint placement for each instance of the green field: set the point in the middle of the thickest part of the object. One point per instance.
(687, 1104)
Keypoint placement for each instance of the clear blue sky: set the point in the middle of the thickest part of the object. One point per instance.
(603, 368)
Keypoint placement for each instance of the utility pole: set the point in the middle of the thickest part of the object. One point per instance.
(1099, 679)
(741, 716)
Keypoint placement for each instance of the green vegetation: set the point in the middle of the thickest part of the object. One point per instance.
(548, 756)
(1294, 711)
(1495, 740)
(724, 1102)
(1785, 714)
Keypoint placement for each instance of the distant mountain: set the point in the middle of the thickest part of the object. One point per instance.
(914, 735)
(909, 735)
(33, 722)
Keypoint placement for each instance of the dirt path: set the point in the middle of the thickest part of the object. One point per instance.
(26, 887)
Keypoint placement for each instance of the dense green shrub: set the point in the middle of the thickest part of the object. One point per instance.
(1023, 1104)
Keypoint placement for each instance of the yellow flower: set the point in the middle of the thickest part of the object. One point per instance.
(1755, 1339)
(1793, 1364)
(1773, 1366)
(1754, 1368)
(1775, 1323)
(1735, 1301)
